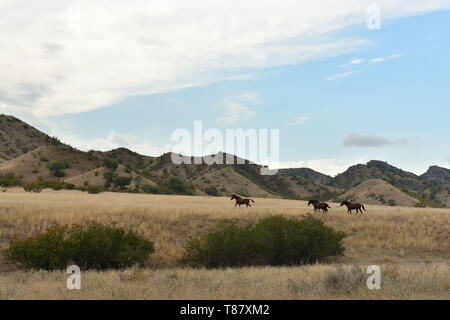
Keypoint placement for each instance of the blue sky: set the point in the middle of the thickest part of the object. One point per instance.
(350, 96)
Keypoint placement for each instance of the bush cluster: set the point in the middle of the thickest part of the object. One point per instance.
(9, 179)
(271, 241)
(57, 168)
(92, 247)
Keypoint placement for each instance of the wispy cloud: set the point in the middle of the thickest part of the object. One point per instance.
(384, 59)
(353, 62)
(235, 112)
(357, 65)
(297, 122)
(356, 61)
(59, 59)
(237, 108)
(340, 75)
(115, 140)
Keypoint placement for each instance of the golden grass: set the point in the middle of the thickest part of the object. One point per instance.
(412, 240)
(382, 234)
(422, 281)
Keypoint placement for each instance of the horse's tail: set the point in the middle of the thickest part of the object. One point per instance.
(363, 208)
(252, 200)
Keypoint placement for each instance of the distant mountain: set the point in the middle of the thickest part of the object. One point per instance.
(435, 172)
(28, 155)
(379, 192)
(307, 173)
(433, 189)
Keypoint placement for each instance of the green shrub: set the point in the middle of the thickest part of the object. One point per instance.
(212, 191)
(176, 185)
(147, 188)
(33, 187)
(92, 247)
(69, 186)
(122, 181)
(9, 179)
(109, 177)
(94, 189)
(271, 241)
(57, 168)
(110, 164)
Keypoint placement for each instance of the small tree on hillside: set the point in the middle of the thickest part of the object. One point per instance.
(122, 182)
(57, 168)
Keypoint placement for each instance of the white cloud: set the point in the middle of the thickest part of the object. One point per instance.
(235, 112)
(383, 59)
(59, 58)
(329, 166)
(340, 75)
(356, 64)
(297, 121)
(115, 140)
(352, 63)
(356, 61)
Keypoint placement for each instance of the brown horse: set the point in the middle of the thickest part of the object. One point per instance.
(240, 201)
(319, 205)
(353, 206)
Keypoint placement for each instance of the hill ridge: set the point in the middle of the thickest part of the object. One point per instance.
(35, 152)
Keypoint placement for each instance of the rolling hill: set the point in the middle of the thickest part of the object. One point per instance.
(18, 138)
(379, 192)
(307, 173)
(29, 155)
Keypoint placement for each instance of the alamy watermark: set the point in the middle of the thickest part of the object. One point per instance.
(207, 147)
(374, 280)
(373, 21)
(74, 280)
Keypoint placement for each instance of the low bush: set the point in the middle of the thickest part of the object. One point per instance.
(94, 246)
(148, 188)
(9, 179)
(212, 191)
(271, 241)
(93, 189)
(57, 168)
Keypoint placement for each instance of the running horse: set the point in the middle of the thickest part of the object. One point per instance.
(319, 205)
(353, 206)
(240, 201)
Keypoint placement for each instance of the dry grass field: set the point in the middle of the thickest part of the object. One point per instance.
(410, 244)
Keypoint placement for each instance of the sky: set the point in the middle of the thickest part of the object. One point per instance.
(344, 82)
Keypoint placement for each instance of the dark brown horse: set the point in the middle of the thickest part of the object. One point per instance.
(240, 201)
(353, 206)
(319, 205)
